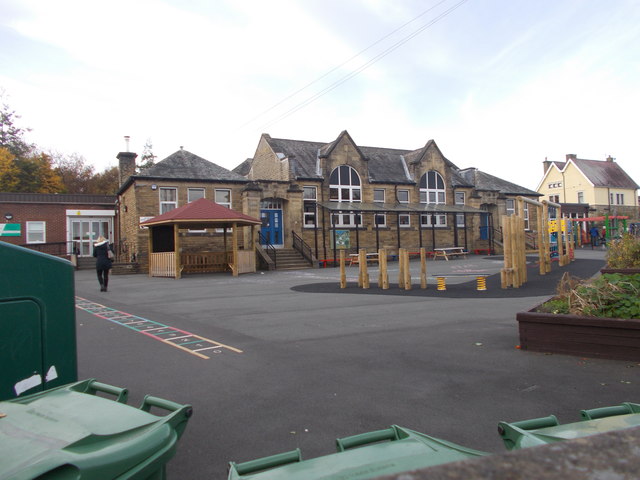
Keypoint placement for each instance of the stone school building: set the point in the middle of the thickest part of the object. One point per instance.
(331, 195)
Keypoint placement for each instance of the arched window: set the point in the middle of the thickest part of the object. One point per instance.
(345, 186)
(432, 191)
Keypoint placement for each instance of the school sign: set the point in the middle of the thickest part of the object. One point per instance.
(9, 229)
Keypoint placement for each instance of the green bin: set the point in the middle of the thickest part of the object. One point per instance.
(77, 432)
(393, 450)
(540, 431)
(37, 321)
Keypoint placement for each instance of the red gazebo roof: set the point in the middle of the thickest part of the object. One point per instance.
(201, 211)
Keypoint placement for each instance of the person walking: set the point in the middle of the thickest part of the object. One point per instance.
(103, 253)
(595, 233)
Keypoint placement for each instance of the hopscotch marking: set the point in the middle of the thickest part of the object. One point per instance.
(186, 341)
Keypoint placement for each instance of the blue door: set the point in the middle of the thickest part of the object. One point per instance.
(271, 226)
(484, 226)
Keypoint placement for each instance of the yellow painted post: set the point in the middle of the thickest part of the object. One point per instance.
(407, 271)
(423, 268)
(364, 268)
(400, 269)
(343, 270)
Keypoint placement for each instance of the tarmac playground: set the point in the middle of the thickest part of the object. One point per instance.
(275, 361)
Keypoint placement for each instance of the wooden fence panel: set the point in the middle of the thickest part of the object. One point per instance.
(162, 264)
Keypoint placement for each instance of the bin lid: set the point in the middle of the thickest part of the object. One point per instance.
(411, 451)
(70, 432)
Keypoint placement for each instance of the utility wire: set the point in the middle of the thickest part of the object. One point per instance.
(363, 67)
(341, 65)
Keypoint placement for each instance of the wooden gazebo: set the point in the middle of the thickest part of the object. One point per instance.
(166, 258)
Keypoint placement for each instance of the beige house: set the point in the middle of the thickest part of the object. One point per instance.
(601, 184)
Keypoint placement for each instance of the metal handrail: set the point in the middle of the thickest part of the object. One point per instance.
(270, 249)
(303, 247)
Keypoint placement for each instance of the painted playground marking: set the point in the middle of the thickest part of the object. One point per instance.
(189, 342)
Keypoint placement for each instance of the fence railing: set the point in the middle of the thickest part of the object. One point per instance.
(162, 264)
(270, 249)
(303, 247)
(58, 249)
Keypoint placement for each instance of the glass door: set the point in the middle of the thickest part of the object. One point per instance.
(84, 233)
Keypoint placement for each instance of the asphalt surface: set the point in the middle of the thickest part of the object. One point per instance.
(319, 362)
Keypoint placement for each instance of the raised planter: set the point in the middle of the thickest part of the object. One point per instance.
(626, 271)
(598, 337)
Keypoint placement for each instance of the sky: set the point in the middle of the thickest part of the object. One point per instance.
(500, 85)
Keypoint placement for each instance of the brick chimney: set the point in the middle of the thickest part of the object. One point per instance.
(546, 164)
(126, 165)
(571, 156)
(610, 159)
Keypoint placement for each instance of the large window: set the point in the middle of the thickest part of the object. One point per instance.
(194, 194)
(460, 200)
(223, 197)
(310, 209)
(404, 218)
(345, 186)
(511, 206)
(432, 191)
(36, 232)
(168, 199)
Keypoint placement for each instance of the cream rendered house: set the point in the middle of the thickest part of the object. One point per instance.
(602, 185)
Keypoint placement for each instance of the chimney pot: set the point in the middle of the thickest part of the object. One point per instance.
(610, 159)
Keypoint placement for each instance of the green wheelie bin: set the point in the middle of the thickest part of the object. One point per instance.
(540, 431)
(78, 431)
(383, 452)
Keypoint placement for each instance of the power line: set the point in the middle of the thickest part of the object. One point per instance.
(313, 82)
(363, 67)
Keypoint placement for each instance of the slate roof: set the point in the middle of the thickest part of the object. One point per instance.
(485, 182)
(184, 165)
(201, 210)
(605, 174)
(244, 168)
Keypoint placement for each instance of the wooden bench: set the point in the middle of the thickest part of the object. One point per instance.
(449, 252)
(354, 258)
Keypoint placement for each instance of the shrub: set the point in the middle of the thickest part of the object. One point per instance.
(624, 252)
(610, 295)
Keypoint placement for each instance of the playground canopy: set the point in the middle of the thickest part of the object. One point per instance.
(165, 259)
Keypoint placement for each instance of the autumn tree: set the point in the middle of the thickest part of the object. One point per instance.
(76, 175)
(9, 172)
(12, 136)
(36, 175)
(107, 182)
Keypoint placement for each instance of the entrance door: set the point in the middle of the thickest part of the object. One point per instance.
(85, 231)
(271, 226)
(484, 226)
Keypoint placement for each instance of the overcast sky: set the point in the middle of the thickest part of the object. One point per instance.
(498, 84)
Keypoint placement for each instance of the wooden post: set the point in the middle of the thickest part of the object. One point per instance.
(506, 273)
(363, 268)
(541, 251)
(522, 251)
(545, 235)
(176, 246)
(560, 243)
(400, 269)
(343, 272)
(150, 229)
(407, 271)
(383, 275)
(423, 268)
(234, 246)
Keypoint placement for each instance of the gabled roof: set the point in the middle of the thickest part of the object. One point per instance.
(201, 211)
(604, 173)
(485, 182)
(244, 168)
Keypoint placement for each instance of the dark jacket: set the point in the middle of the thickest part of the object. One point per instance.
(100, 251)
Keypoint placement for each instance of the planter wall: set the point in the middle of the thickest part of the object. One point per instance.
(611, 338)
(626, 271)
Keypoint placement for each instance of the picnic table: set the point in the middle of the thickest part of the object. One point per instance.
(354, 258)
(449, 252)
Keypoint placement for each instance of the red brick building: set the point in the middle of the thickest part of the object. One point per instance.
(58, 224)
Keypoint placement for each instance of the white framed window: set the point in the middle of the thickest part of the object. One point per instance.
(168, 199)
(345, 186)
(580, 197)
(310, 196)
(403, 196)
(432, 191)
(459, 198)
(404, 220)
(511, 206)
(380, 219)
(36, 232)
(223, 197)
(619, 199)
(194, 194)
